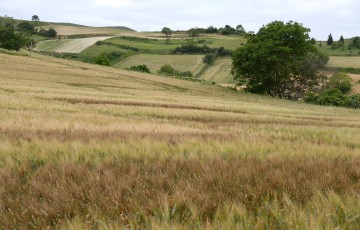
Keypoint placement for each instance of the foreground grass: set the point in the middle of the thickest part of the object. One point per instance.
(85, 146)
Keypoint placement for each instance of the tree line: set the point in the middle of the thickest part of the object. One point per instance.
(353, 43)
(195, 32)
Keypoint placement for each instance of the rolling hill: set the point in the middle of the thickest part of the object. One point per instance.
(87, 146)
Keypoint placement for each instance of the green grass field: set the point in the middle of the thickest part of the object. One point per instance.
(183, 63)
(85, 146)
(219, 72)
(342, 51)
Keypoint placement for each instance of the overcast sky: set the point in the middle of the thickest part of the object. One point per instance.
(339, 17)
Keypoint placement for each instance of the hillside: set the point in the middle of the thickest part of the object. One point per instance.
(73, 29)
(192, 63)
(86, 146)
(68, 45)
(219, 72)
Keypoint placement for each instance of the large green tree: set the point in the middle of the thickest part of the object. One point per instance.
(167, 31)
(11, 40)
(279, 61)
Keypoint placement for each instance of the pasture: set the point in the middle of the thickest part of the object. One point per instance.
(219, 72)
(85, 146)
(193, 63)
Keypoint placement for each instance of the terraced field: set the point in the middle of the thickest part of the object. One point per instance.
(191, 63)
(64, 29)
(219, 72)
(85, 146)
(68, 45)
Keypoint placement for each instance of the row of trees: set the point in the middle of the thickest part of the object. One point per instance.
(194, 32)
(354, 42)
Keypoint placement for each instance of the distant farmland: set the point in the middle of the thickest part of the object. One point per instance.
(344, 62)
(219, 72)
(191, 63)
(70, 29)
(68, 45)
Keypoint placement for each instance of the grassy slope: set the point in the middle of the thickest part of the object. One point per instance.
(191, 63)
(68, 45)
(345, 51)
(90, 146)
(71, 29)
(219, 72)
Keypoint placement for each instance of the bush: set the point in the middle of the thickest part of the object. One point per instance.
(333, 97)
(167, 70)
(340, 81)
(193, 49)
(184, 74)
(10, 40)
(114, 55)
(209, 58)
(140, 68)
(223, 52)
(102, 59)
(51, 33)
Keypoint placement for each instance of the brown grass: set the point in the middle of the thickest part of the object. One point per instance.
(87, 135)
(129, 191)
(84, 146)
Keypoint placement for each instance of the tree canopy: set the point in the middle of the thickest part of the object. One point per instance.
(35, 18)
(279, 61)
(330, 40)
(167, 31)
(11, 40)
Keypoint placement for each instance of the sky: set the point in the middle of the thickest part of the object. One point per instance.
(338, 17)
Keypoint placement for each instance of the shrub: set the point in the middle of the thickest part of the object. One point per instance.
(340, 81)
(51, 33)
(223, 52)
(140, 68)
(193, 49)
(114, 55)
(167, 69)
(10, 40)
(184, 74)
(209, 58)
(333, 97)
(102, 59)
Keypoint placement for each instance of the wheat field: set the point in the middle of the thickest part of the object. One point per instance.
(85, 146)
(68, 45)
